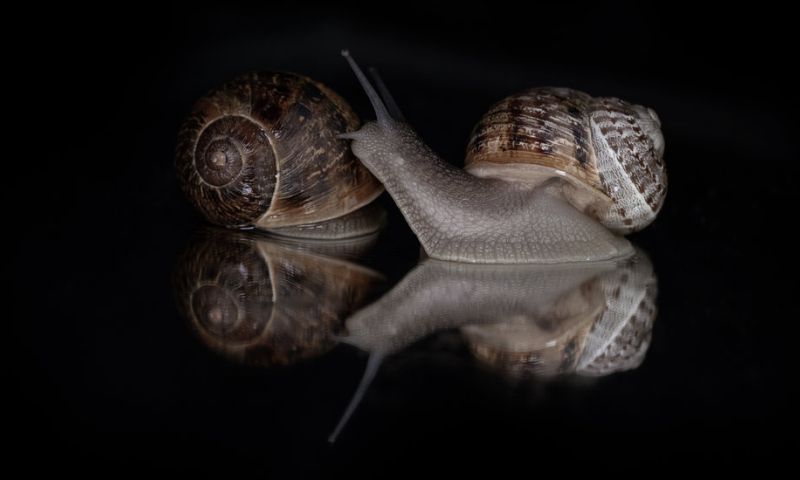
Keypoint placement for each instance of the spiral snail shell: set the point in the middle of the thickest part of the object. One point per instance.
(261, 151)
(608, 150)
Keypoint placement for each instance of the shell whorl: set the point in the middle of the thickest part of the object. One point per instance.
(230, 172)
(262, 151)
(608, 151)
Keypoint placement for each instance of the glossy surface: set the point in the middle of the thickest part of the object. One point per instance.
(104, 375)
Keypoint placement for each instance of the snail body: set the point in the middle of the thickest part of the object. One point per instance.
(552, 175)
(261, 152)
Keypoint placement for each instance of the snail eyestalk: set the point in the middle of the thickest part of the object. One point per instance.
(388, 99)
(384, 118)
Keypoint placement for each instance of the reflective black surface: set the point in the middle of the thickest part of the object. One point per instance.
(108, 374)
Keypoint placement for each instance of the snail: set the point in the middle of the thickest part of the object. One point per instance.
(261, 152)
(579, 318)
(551, 175)
(268, 301)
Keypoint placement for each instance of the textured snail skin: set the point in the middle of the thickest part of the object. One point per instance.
(549, 172)
(461, 217)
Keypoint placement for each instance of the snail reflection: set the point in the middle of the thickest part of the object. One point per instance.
(589, 319)
(273, 301)
(270, 301)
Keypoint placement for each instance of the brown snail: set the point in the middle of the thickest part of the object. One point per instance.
(265, 301)
(261, 151)
(552, 175)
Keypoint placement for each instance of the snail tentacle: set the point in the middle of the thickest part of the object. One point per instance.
(388, 99)
(384, 118)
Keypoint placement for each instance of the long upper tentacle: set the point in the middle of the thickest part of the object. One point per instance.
(382, 113)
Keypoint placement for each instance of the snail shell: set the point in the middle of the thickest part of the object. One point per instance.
(609, 151)
(261, 151)
(262, 301)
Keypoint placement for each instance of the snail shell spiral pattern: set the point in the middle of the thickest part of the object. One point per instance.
(261, 151)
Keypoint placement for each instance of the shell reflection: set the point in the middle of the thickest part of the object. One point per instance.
(594, 327)
(268, 301)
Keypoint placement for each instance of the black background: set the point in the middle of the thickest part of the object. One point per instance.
(106, 377)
